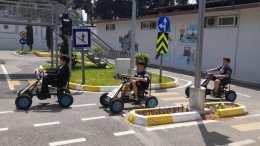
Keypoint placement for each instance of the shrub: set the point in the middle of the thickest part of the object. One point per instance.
(98, 51)
(142, 57)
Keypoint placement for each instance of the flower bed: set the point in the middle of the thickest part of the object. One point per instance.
(226, 109)
(159, 111)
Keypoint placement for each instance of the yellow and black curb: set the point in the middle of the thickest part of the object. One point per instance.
(240, 110)
(161, 119)
(43, 54)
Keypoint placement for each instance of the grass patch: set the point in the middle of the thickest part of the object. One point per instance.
(85, 58)
(101, 77)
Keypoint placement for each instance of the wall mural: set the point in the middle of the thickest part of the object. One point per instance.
(186, 47)
(126, 42)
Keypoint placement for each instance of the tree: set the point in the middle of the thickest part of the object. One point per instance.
(29, 34)
(86, 5)
(49, 37)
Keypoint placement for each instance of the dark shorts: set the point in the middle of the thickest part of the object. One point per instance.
(139, 86)
(222, 81)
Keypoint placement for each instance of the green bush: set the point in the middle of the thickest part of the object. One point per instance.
(142, 57)
(98, 51)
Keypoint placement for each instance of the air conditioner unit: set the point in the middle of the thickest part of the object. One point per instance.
(211, 21)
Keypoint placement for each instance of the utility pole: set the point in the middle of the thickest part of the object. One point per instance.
(132, 56)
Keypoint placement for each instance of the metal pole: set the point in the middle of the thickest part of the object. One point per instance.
(70, 46)
(161, 68)
(83, 66)
(132, 56)
(56, 33)
(199, 43)
(51, 34)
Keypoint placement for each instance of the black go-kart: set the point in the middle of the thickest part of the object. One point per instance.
(223, 92)
(116, 104)
(24, 96)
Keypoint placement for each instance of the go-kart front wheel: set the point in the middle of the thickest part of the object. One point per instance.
(151, 102)
(116, 106)
(187, 91)
(26, 93)
(231, 96)
(65, 100)
(104, 100)
(23, 102)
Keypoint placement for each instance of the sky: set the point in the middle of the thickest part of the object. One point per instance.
(85, 15)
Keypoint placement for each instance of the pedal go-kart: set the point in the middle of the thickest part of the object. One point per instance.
(24, 96)
(223, 92)
(116, 104)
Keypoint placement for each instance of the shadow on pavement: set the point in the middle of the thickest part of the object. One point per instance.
(212, 138)
(43, 107)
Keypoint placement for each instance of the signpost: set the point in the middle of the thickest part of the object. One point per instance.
(162, 41)
(81, 39)
(22, 40)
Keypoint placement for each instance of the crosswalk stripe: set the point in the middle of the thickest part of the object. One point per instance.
(240, 143)
(247, 127)
(173, 98)
(165, 93)
(14, 82)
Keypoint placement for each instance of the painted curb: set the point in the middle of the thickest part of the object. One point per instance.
(230, 112)
(152, 120)
(43, 54)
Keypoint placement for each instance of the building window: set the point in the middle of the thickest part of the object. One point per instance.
(227, 21)
(110, 27)
(148, 25)
(5, 26)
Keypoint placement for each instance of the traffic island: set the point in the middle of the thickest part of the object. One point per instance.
(162, 115)
(226, 109)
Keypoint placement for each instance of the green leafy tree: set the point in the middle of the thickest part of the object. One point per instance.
(49, 37)
(29, 34)
(86, 5)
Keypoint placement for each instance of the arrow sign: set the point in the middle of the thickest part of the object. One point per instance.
(163, 24)
(22, 41)
(162, 43)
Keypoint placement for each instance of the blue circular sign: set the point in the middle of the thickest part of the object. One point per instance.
(22, 41)
(163, 24)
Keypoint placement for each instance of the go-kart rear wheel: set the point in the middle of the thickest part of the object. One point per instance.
(187, 91)
(65, 100)
(231, 96)
(151, 102)
(116, 106)
(103, 100)
(23, 102)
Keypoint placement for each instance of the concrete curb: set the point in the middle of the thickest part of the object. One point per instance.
(152, 120)
(43, 54)
(230, 112)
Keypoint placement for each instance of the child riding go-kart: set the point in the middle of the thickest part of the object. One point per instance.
(223, 91)
(116, 104)
(24, 99)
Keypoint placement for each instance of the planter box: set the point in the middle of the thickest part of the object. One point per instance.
(230, 109)
(161, 116)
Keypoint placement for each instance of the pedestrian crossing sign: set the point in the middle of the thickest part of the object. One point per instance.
(81, 38)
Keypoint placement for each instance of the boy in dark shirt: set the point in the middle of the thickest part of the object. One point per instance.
(224, 75)
(140, 81)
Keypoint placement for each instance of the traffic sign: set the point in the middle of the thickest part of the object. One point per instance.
(22, 41)
(163, 24)
(162, 43)
(23, 34)
(81, 38)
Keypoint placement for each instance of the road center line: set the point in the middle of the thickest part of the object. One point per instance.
(83, 105)
(46, 124)
(3, 129)
(240, 143)
(5, 112)
(7, 77)
(124, 133)
(93, 118)
(186, 124)
(243, 95)
(67, 142)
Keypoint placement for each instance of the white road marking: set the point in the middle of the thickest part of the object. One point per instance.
(83, 105)
(189, 83)
(186, 124)
(248, 116)
(46, 124)
(7, 77)
(124, 133)
(240, 143)
(93, 118)
(67, 142)
(5, 112)
(243, 95)
(188, 76)
(3, 129)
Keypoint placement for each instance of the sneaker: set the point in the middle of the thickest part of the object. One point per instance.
(216, 94)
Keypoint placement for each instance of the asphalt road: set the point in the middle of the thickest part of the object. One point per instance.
(88, 123)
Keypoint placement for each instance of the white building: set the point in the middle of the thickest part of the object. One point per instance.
(231, 31)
